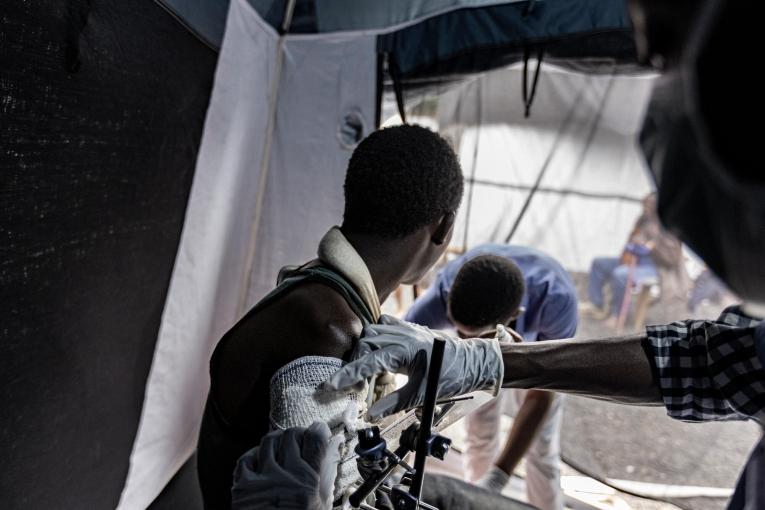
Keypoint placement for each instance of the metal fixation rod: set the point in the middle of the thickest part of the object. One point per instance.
(428, 409)
(371, 484)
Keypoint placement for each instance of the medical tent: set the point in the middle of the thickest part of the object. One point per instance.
(161, 160)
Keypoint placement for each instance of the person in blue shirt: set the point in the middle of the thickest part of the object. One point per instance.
(651, 253)
(527, 291)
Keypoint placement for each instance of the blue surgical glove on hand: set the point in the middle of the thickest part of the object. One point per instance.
(293, 469)
(401, 347)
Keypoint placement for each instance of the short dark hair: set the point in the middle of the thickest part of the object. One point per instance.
(487, 289)
(399, 180)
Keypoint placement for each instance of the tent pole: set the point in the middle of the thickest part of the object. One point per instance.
(477, 132)
(592, 131)
(265, 156)
(398, 88)
(380, 66)
(595, 123)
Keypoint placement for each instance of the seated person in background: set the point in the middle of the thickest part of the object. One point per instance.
(402, 189)
(529, 292)
(650, 253)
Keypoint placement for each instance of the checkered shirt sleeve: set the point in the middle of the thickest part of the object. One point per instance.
(710, 370)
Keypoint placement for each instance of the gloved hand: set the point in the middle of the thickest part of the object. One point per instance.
(494, 480)
(507, 335)
(401, 347)
(294, 469)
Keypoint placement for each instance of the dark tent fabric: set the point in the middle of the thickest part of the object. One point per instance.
(436, 53)
(206, 19)
(102, 105)
(472, 34)
(182, 491)
(474, 40)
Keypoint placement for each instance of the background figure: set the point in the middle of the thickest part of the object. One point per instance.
(650, 254)
(492, 286)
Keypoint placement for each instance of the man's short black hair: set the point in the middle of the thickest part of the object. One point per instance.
(399, 180)
(486, 291)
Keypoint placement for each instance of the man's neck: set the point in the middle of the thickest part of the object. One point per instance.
(386, 261)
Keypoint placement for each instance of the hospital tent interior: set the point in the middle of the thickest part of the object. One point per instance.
(159, 162)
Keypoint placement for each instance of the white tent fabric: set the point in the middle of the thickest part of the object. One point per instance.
(326, 77)
(322, 75)
(589, 197)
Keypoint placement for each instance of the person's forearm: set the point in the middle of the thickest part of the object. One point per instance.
(614, 369)
(525, 427)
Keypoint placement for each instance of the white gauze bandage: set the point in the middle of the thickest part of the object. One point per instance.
(295, 402)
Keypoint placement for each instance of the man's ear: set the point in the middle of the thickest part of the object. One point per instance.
(443, 229)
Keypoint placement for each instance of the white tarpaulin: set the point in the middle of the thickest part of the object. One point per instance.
(582, 131)
(326, 79)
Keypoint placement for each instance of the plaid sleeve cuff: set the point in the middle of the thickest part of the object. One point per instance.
(709, 370)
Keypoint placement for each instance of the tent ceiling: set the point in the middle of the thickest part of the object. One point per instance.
(341, 15)
(207, 18)
(442, 36)
(470, 40)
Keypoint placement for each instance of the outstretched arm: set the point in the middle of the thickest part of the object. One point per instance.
(615, 369)
(612, 369)
(685, 365)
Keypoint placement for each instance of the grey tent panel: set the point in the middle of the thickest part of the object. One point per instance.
(103, 107)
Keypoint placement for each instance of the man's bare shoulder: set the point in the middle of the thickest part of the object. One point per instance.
(310, 320)
(313, 319)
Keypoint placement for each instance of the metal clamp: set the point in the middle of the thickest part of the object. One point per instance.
(374, 456)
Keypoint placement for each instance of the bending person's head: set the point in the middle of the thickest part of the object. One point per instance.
(487, 291)
(404, 184)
